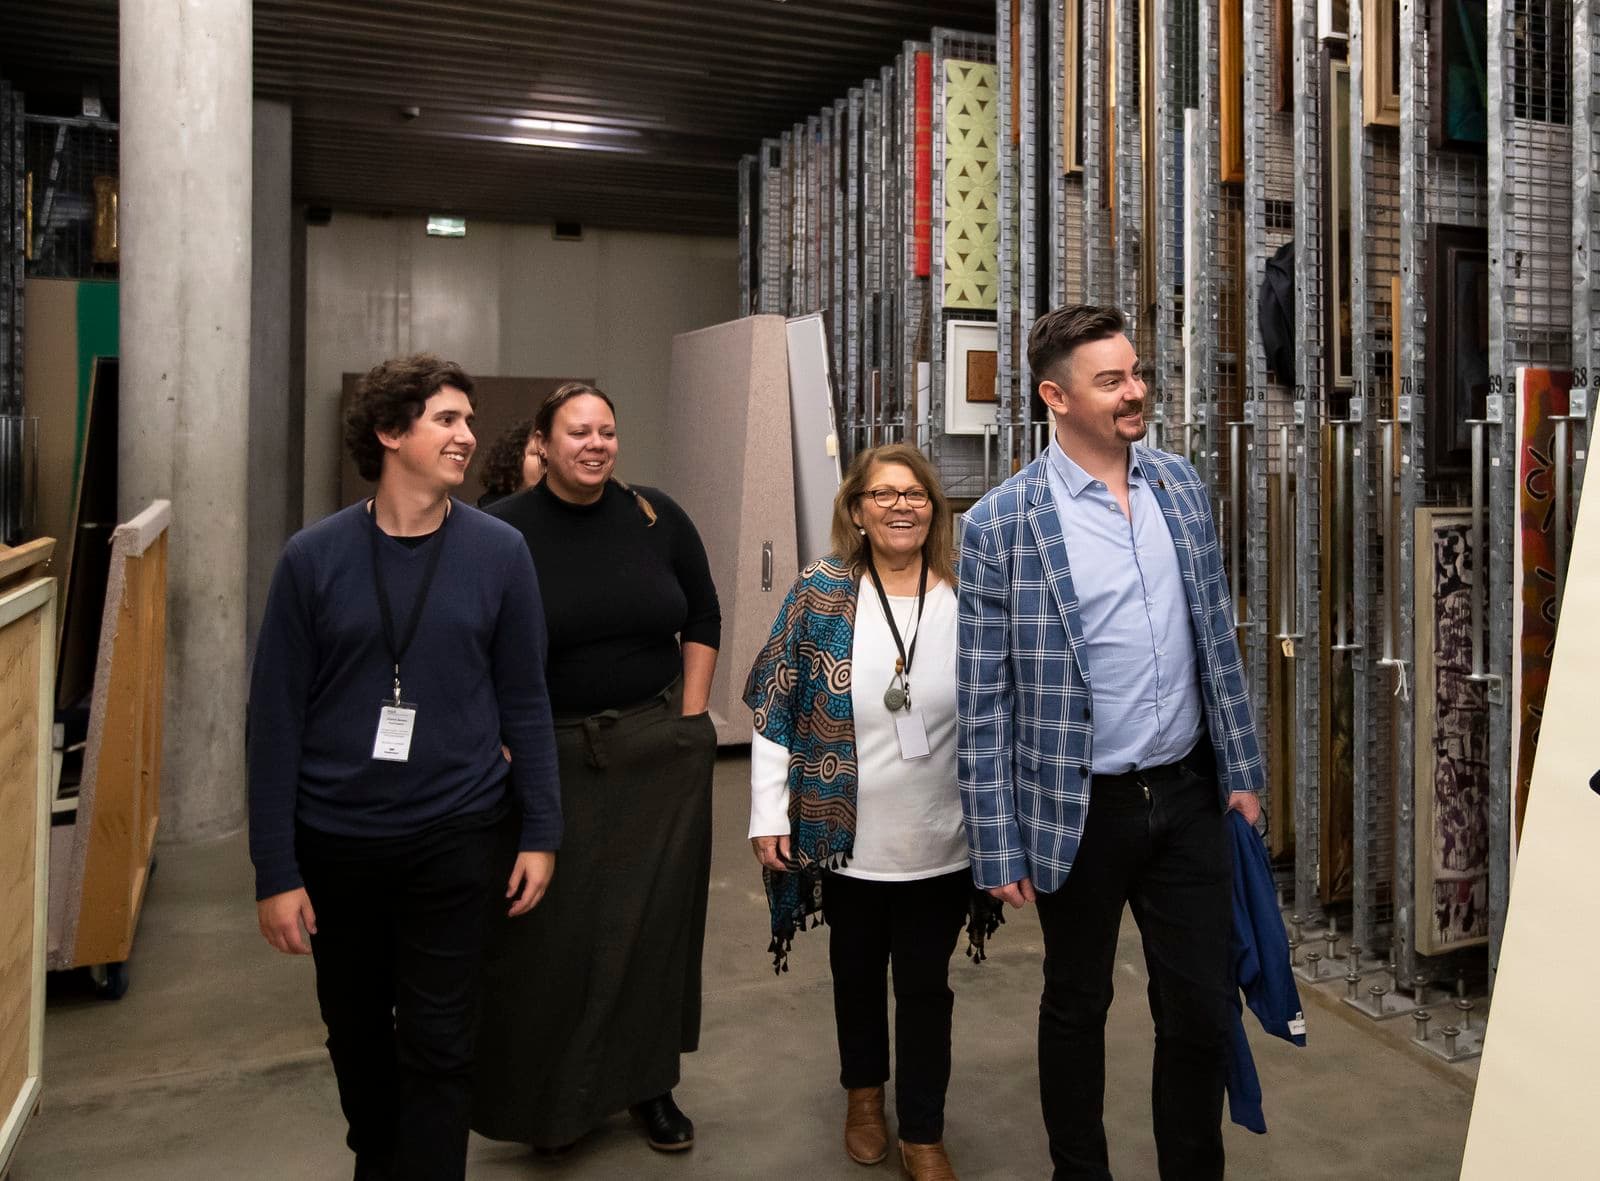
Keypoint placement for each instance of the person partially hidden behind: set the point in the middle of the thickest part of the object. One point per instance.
(513, 464)
(403, 643)
(1105, 730)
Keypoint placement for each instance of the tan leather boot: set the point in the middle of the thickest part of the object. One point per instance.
(926, 1162)
(866, 1135)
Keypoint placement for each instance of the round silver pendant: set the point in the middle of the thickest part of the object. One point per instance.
(895, 698)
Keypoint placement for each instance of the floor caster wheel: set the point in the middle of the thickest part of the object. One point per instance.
(110, 980)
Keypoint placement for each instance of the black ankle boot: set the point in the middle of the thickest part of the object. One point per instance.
(667, 1128)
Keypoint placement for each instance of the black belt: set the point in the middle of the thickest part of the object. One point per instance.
(1200, 762)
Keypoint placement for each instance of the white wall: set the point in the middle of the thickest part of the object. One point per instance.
(506, 300)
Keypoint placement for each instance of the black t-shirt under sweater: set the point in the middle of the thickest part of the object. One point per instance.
(618, 593)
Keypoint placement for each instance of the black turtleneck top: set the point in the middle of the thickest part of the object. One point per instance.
(619, 592)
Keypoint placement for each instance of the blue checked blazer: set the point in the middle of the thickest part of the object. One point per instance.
(1025, 741)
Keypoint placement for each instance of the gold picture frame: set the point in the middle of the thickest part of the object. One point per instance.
(1380, 63)
(1071, 88)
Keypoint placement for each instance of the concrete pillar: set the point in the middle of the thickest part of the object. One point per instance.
(183, 420)
(277, 403)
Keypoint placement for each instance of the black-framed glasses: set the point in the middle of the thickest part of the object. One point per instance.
(889, 497)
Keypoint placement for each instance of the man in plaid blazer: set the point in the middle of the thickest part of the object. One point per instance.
(1105, 730)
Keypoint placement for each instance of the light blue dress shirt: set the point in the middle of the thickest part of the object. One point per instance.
(1141, 654)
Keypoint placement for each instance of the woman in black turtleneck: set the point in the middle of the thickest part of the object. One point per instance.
(588, 1007)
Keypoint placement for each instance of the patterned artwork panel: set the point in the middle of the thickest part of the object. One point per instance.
(1452, 738)
(971, 185)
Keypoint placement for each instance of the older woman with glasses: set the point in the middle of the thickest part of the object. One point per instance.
(854, 812)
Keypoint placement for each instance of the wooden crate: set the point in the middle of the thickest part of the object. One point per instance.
(100, 862)
(27, 688)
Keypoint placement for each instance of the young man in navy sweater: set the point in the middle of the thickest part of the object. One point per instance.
(403, 647)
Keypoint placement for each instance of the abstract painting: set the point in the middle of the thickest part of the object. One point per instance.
(1540, 394)
(971, 185)
(1452, 742)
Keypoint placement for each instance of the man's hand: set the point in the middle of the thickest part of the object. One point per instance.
(1017, 894)
(530, 878)
(1246, 804)
(285, 919)
(773, 852)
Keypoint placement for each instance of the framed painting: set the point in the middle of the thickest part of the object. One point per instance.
(1458, 76)
(970, 399)
(1230, 79)
(1458, 346)
(1452, 742)
(1338, 334)
(1380, 57)
(1071, 87)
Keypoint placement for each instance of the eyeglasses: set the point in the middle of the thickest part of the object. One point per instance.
(889, 497)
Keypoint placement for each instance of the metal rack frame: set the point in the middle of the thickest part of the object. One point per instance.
(1374, 183)
(1305, 436)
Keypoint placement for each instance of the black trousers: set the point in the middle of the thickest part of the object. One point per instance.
(914, 925)
(1159, 846)
(400, 929)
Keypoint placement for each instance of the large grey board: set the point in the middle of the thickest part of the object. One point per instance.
(816, 439)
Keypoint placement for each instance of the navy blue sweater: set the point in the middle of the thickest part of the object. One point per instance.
(475, 672)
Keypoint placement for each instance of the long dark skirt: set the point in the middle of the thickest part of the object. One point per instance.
(589, 1000)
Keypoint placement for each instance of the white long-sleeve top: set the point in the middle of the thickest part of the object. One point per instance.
(908, 811)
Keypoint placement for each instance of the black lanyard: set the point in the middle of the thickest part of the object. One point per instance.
(904, 668)
(398, 650)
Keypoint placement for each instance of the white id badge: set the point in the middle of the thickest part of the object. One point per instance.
(396, 722)
(913, 734)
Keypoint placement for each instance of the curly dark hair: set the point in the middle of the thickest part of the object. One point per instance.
(390, 398)
(502, 470)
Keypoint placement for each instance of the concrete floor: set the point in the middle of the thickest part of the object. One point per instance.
(212, 1066)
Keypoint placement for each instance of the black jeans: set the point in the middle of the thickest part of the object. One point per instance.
(1160, 847)
(916, 925)
(400, 930)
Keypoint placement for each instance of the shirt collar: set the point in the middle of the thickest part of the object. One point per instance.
(1075, 478)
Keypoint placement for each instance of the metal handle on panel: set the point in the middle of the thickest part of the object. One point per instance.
(1391, 541)
(766, 565)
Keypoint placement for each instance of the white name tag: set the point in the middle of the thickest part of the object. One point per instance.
(913, 734)
(1297, 1026)
(396, 723)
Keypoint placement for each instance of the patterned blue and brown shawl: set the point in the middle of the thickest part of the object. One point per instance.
(799, 690)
